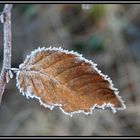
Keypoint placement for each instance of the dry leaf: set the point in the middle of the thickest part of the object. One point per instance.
(61, 78)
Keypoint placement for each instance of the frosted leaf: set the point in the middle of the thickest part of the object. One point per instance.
(62, 78)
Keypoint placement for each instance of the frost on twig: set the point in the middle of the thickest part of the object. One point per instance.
(5, 18)
(9, 76)
(2, 18)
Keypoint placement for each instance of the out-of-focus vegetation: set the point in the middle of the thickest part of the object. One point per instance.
(108, 34)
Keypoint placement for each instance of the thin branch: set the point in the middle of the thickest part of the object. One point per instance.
(5, 18)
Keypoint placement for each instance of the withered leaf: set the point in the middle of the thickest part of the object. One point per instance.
(64, 78)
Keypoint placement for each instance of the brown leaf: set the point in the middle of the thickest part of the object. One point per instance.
(61, 78)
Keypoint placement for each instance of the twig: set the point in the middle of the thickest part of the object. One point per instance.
(5, 18)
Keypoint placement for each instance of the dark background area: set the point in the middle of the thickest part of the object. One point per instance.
(108, 34)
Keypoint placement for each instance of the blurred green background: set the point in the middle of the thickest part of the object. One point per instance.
(108, 34)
